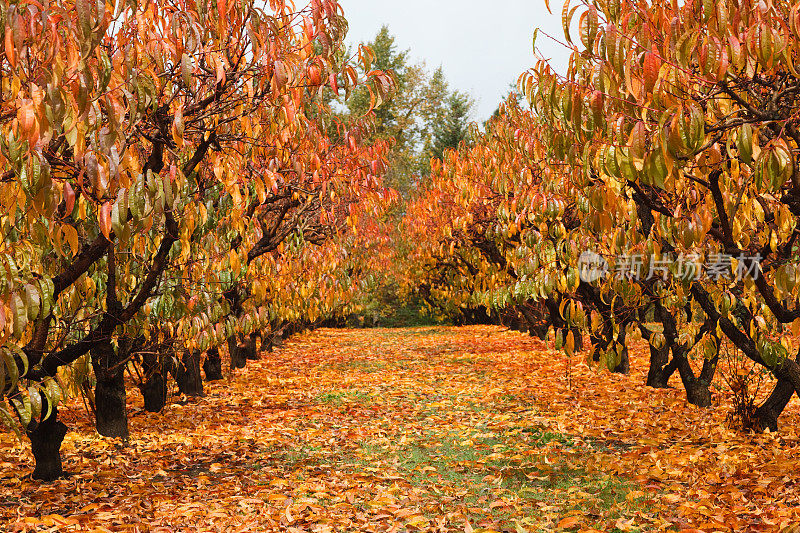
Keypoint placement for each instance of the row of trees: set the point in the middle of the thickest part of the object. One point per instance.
(172, 183)
(422, 118)
(653, 191)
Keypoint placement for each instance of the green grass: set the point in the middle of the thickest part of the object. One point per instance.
(481, 451)
(490, 468)
(361, 365)
(343, 396)
(288, 458)
(402, 316)
(422, 330)
(463, 361)
(407, 316)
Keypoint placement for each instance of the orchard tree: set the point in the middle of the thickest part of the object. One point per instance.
(669, 150)
(129, 136)
(679, 120)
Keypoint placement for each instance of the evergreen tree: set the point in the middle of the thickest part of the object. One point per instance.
(453, 129)
(422, 115)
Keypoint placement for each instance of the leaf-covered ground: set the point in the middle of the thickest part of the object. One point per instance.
(425, 429)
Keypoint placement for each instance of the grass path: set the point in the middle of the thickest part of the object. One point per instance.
(424, 429)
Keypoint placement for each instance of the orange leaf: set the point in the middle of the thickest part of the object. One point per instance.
(104, 218)
(9, 48)
(652, 64)
(568, 522)
(69, 198)
(334, 83)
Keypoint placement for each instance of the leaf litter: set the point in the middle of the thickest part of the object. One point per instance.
(421, 429)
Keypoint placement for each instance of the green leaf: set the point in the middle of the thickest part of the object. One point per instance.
(559, 339)
(566, 20)
(35, 402)
(744, 143)
(23, 408)
(16, 350)
(11, 366)
(53, 391)
(9, 422)
(20, 315)
(697, 126)
(33, 301)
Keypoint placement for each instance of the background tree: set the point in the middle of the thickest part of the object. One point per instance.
(452, 127)
(421, 103)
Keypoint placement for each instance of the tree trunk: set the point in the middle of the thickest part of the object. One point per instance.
(154, 392)
(190, 381)
(238, 359)
(471, 317)
(268, 343)
(538, 323)
(624, 365)
(540, 332)
(604, 341)
(290, 329)
(46, 437)
(277, 341)
(597, 342)
(249, 347)
(212, 366)
(697, 388)
(660, 368)
(698, 394)
(111, 415)
(154, 389)
(578, 336)
(697, 391)
(768, 412)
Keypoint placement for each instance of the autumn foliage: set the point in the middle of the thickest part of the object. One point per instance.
(176, 192)
(167, 174)
(667, 155)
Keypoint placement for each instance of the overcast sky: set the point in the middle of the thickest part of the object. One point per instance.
(483, 47)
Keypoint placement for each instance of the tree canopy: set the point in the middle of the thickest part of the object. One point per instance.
(179, 183)
(651, 191)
